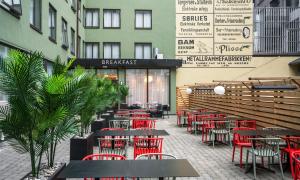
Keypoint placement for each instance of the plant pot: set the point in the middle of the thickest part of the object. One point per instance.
(81, 147)
(53, 176)
(96, 126)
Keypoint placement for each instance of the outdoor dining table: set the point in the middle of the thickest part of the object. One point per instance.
(129, 168)
(139, 132)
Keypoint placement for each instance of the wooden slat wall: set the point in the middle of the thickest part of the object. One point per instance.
(182, 98)
(269, 108)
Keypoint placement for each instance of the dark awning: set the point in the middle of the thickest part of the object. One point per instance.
(127, 63)
(295, 62)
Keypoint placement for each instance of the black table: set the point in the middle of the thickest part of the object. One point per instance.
(129, 168)
(152, 132)
(262, 132)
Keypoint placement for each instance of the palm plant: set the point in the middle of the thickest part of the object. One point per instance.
(21, 77)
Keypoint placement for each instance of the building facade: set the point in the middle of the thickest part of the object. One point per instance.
(136, 42)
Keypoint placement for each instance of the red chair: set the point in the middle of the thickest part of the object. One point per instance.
(245, 123)
(241, 142)
(146, 145)
(296, 164)
(179, 114)
(143, 124)
(140, 115)
(104, 157)
(189, 122)
(208, 124)
(293, 145)
(106, 141)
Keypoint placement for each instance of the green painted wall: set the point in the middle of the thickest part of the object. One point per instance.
(18, 33)
(161, 36)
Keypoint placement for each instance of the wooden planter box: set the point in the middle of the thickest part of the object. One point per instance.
(98, 125)
(54, 175)
(81, 147)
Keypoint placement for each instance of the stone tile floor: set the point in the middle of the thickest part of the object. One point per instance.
(211, 164)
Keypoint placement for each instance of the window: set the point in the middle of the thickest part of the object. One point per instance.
(3, 54)
(52, 23)
(35, 14)
(12, 5)
(64, 30)
(73, 5)
(111, 18)
(91, 18)
(79, 9)
(79, 46)
(143, 19)
(91, 50)
(72, 41)
(143, 50)
(111, 50)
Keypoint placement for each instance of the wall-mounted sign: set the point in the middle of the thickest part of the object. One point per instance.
(214, 33)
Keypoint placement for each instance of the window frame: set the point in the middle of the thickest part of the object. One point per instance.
(64, 46)
(74, 5)
(55, 24)
(93, 10)
(111, 27)
(10, 9)
(92, 43)
(142, 10)
(72, 43)
(143, 44)
(112, 43)
(34, 26)
(78, 46)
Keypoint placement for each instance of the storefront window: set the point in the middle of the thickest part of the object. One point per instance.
(3, 54)
(136, 80)
(108, 73)
(158, 86)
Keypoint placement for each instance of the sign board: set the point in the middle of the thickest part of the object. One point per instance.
(214, 33)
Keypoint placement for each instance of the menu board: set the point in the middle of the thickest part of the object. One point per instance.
(214, 33)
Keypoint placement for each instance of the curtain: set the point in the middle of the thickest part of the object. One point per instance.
(107, 51)
(107, 19)
(115, 19)
(158, 84)
(95, 18)
(139, 51)
(147, 52)
(115, 51)
(136, 79)
(89, 50)
(88, 18)
(139, 19)
(95, 51)
(147, 19)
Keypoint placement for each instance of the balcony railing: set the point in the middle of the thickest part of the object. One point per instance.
(276, 31)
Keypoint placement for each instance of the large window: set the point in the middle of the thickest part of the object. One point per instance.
(3, 54)
(12, 5)
(136, 79)
(52, 23)
(143, 19)
(64, 31)
(91, 18)
(73, 5)
(111, 74)
(148, 86)
(111, 50)
(91, 50)
(79, 9)
(143, 50)
(111, 18)
(72, 41)
(35, 14)
(79, 47)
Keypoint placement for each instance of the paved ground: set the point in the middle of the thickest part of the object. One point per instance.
(210, 163)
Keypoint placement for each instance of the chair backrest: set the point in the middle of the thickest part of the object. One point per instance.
(220, 124)
(104, 157)
(296, 163)
(144, 145)
(274, 128)
(124, 124)
(237, 138)
(154, 156)
(141, 115)
(143, 123)
(266, 146)
(246, 123)
(293, 142)
(166, 107)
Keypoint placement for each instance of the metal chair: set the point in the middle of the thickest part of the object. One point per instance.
(264, 147)
(124, 124)
(147, 145)
(219, 131)
(104, 157)
(165, 108)
(155, 156)
(296, 164)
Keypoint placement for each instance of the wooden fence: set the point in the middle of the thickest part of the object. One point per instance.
(272, 103)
